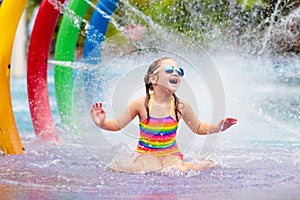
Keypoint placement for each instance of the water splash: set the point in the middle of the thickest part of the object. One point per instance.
(105, 15)
(78, 21)
(73, 65)
(268, 33)
(261, 153)
(146, 19)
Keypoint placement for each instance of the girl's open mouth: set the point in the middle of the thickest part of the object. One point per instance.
(173, 80)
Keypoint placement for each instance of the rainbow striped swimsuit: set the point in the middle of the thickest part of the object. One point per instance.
(158, 135)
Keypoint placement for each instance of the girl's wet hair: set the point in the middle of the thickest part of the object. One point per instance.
(149, 86)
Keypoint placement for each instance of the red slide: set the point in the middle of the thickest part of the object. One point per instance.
(37, 85)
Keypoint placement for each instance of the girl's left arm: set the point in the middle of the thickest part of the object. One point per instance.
(204, 128)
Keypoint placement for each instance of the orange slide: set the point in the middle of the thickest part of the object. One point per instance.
(10, 14)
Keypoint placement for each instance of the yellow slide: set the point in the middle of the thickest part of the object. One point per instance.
(10, 14)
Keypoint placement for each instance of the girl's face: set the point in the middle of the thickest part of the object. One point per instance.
(166, 77)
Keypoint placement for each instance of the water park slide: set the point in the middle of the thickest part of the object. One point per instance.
(64, 51)
(65, 47)
(10, 14)
(37, 86)
(37, 62)
(37, 69)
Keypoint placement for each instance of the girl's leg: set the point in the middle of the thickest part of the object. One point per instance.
(205, 164)
(175, 162)
(146, 163)
(142, 163)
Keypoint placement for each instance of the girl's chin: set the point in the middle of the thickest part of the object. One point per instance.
(172, 88)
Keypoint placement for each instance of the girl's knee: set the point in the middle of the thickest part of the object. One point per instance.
(171, 160)
(147, 163)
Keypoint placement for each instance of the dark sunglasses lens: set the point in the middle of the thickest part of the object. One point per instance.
(169, 69)
(180, 72)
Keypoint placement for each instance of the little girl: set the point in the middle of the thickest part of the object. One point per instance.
(159, 113)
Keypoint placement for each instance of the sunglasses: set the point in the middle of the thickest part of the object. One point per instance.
(170, 69)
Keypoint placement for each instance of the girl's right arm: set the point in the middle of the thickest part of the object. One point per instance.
(99, 116)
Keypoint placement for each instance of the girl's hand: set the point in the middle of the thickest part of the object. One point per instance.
(98, 114)
(226, 123)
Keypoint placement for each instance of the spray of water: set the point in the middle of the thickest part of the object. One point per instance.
(269, 31)
(77, 21)
(262, 92)
(73, 65)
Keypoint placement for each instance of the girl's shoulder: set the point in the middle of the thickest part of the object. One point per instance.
(181, 102)
(138, 105)
(139, 101)
(183, 105)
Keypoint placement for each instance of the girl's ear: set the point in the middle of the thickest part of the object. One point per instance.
(153, 79)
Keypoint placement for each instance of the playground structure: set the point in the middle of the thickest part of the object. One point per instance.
(38, 51)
